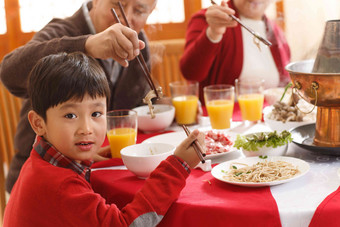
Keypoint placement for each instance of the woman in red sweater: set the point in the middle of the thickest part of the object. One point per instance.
(218, 50)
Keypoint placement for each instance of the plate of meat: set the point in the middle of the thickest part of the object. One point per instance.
(217, 142)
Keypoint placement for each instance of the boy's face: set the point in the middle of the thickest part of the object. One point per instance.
(77, 129)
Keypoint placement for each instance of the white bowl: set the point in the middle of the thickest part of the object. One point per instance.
(164, 116)
(142, 159)
(279, 125)
(266, 151)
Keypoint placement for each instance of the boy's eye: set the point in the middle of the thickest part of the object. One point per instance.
(70, 116)
(96, 114)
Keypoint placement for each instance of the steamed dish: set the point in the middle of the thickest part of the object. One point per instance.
(286, 110)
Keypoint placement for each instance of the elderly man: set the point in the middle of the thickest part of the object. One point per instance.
(92, 30)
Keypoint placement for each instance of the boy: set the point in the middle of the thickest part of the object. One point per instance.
(69, 95)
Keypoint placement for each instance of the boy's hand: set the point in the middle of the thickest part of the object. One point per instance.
(187, 152)
(103, 154)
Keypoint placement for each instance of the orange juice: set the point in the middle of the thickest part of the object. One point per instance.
(251, 106)
(185, 109)
(220, 113)
(120, 138)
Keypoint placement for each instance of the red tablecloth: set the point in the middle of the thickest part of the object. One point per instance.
(204, 201)
(327, 213)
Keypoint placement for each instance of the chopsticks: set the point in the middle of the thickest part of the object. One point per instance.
(196, 145)
(140, 57)
(263, 40)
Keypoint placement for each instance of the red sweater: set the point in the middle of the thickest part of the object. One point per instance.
(46, 195)
(221, 63)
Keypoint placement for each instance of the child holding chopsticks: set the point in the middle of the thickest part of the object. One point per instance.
(69, 94)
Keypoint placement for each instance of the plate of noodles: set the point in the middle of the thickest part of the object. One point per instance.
(260, 171)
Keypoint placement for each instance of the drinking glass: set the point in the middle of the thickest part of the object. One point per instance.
(185, 100)
(121, 130)
(219, 100)
(250, 97)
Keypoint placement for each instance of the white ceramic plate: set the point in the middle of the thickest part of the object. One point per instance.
(175, 138)
(218, 174)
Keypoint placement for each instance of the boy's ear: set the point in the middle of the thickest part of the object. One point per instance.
(37, 123)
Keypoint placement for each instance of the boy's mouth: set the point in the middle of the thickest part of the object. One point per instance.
(85, 146)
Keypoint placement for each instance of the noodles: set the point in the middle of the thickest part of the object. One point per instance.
(266, 171)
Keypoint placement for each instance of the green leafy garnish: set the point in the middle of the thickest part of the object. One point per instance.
(263, 157)
(269, 139)
(234, 167)
(237, 174)
(286, 88)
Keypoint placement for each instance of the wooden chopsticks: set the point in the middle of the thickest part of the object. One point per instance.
(199, 150)
(140, 57)
(263, 40)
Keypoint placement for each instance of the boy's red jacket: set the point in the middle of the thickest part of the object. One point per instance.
(46, 195)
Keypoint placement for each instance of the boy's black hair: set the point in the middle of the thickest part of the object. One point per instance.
(58, 78)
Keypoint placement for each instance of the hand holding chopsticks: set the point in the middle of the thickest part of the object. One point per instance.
(140, 57)
(255, 34)
(198, 148)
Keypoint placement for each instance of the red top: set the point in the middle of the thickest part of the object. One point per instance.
(221, 63)
(47, 195)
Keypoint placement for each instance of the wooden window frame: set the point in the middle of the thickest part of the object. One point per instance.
(15, 37)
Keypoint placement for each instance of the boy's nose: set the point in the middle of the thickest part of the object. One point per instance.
(85, 127)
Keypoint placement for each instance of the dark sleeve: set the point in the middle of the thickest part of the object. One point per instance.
(58, 36)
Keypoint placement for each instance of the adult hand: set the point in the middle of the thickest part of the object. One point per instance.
(117, 41)
(218, 19)
(103, 154)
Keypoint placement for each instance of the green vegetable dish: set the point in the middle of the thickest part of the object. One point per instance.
(269, 139)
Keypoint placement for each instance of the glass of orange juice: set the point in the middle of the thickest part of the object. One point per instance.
(121, 130)
(250, 98)
(219, 100)
(185, 100)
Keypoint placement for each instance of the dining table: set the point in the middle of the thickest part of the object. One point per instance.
(310, 200)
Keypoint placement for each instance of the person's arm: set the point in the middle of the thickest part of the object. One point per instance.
(203, 39)
(76, 199)
(52, 39)
(78, 205)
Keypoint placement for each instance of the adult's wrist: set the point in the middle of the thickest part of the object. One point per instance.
(213, 37)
